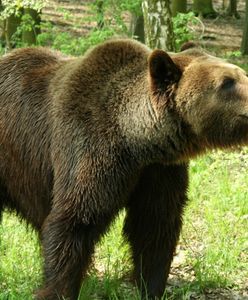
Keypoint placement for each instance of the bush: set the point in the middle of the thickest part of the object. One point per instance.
(183, 25)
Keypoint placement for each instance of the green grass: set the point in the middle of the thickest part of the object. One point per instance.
(20, 262)
(212, 252)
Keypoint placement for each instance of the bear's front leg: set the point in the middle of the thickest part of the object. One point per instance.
(153, 224)
(68, 246)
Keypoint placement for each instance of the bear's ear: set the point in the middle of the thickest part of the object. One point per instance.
(162, 70)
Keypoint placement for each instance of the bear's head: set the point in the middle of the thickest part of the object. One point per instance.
(209, 96)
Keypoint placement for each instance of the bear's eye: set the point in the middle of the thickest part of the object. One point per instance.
(228, 83)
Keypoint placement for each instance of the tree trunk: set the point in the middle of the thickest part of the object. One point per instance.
(204, 8)
(10, 27)
(232, 9)
(29, 36)
(2, 26)
(178, 6)
(244, 44)
(100, 13)
(137, 27)
(158, 24)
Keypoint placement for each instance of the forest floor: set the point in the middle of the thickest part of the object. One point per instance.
(223, 34)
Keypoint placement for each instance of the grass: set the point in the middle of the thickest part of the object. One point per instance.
(217, 219)
(20, 262)
(212, 254)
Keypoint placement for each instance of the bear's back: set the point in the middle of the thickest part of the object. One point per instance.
(24, 80)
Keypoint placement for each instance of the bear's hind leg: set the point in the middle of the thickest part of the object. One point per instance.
(153, 225)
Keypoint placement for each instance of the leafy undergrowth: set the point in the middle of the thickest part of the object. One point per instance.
(212, 257)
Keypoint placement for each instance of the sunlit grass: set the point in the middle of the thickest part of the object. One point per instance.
(19, 260)
(214, 242)
(218, 216)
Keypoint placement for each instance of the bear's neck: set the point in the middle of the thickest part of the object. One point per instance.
(153, 137)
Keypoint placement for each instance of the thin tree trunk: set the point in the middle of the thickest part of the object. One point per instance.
(178, 6)
(11, 25)
(244, 44)
(2, 25)
(158, 24)
(137, 27)
(100, 13)
(232, 9)
(29, 36)
(204, 8)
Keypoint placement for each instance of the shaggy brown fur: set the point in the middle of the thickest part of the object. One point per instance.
(82, 138)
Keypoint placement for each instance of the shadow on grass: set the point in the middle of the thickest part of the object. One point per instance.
(114, 288)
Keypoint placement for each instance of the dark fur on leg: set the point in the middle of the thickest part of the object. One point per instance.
(153, 224)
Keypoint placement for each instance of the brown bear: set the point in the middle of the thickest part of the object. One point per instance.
(83, 138)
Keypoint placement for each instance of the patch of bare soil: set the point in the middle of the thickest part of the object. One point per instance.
(69, 17)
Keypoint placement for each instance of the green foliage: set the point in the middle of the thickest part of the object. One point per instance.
(27, 24)
(110, 15)
(233, 54)
(118, 7)
(67, 15)
(236, 57)
(132, 6)
(182, 25)
(68, 44)
(113, 17)
(113, 14)
(15, 6)
(126, 5)
(17, 21)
